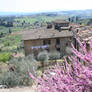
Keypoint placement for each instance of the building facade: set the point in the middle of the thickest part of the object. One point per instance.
(56, 36)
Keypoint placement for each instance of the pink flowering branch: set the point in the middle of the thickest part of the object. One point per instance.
(73, 77)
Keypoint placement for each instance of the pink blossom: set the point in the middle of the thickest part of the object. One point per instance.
(73, 77)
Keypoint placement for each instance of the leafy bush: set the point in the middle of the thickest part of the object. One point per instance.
(68, 50)
(54, 55)
(9, 78)
(73, 77)
(5, 56)
(43, 57)
(17, 75)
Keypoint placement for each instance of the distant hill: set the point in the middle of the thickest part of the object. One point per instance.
(83, 13)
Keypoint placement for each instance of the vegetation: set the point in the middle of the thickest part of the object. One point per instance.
(43, 57)
(17, 74)
(5, 56)
(54, 55)
(71, 77)
(40, 18)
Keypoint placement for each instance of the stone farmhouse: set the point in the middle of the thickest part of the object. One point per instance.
(55, 36)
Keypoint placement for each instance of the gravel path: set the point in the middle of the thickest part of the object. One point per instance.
(23, 89)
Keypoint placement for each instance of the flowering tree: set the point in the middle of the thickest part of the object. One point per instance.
(74, 76)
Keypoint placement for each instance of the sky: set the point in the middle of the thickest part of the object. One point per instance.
(43, 5)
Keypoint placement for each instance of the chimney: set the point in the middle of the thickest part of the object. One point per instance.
(70, 29)
(49, 25)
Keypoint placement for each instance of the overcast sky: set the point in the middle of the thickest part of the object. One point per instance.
(43, 5)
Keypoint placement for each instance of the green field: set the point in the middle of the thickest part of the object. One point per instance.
(40, 18)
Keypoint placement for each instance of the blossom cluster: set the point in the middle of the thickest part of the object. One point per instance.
(74, 75)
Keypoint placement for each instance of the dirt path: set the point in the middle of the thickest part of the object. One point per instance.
(23, 89)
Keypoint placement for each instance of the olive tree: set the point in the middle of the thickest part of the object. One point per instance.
(43, 57)
(54, 55)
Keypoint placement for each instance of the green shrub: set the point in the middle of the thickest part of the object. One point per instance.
(43, 57)
(10, 79)
(5, 56)
(18, 73)
(68, 50)
(54, 55)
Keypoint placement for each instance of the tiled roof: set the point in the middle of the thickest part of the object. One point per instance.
(85, 35)
(60, 21)
(43, 33)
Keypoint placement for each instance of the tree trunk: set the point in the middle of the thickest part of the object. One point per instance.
(42, 63)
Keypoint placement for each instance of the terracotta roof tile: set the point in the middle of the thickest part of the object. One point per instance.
(44, 33)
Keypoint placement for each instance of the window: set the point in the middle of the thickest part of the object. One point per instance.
(66, 44)
(46, 42)
(58, 44)
(49, 42)
(58, 49)
(57, 41)
(63, 25)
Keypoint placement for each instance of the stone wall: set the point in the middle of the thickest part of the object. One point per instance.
(64, 42)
